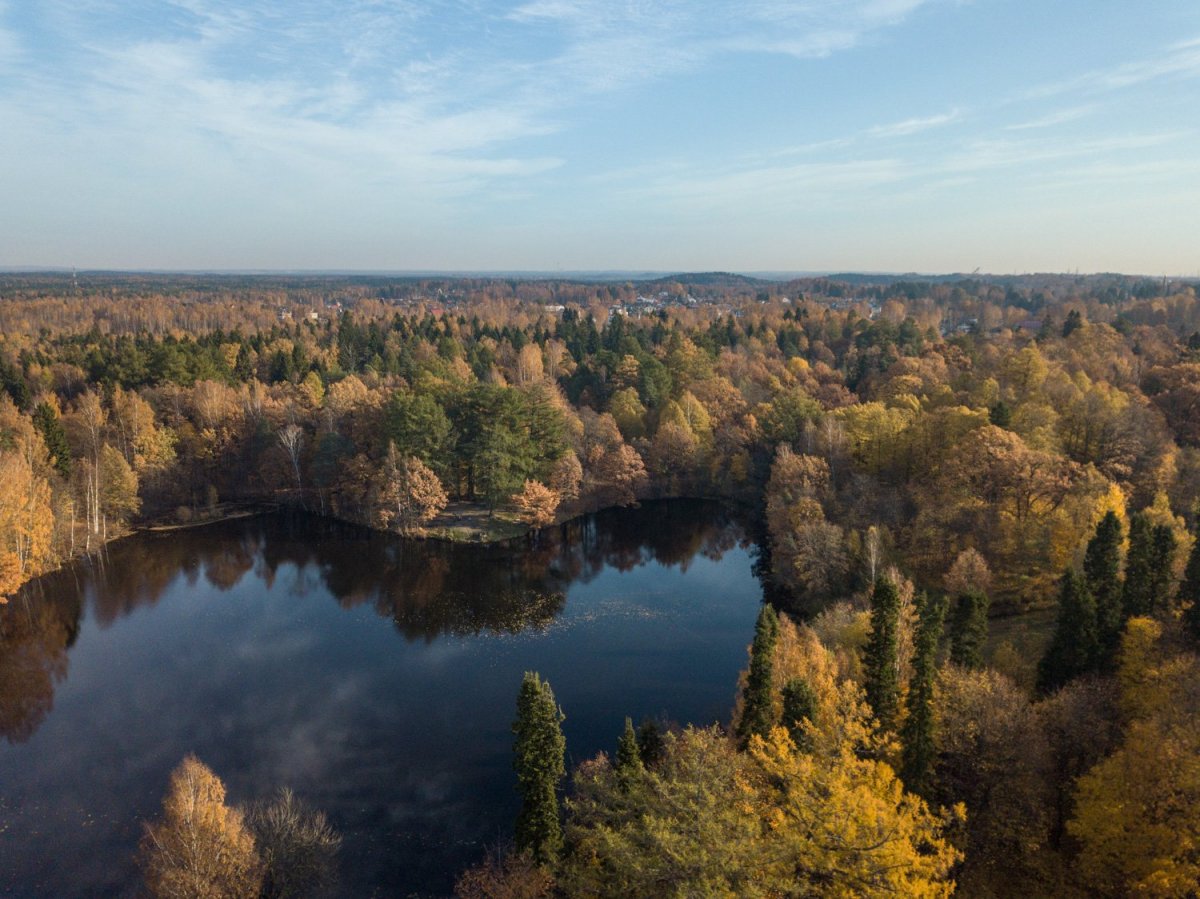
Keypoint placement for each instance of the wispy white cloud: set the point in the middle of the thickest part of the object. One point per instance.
(759, 182)
(329, 88)
(1049, 120)
(767, 186)
(914, 125)
(1180, 60)
(983, 155)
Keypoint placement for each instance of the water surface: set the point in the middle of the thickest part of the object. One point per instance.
(377, 677)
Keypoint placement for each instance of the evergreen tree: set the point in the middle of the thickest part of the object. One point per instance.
(1000, 414)
(1162, 563)
(650, 743)
(538, 754)
(1136, 597)
(916, 736)
(969, 629)
(12, 382)
(1075, 647)
(1189, 592)
(799, 705)
(46, 420)
(758, 716)
(1102, 574)
(881, 661)
(629, 758)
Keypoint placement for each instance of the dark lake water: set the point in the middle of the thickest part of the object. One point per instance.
(377, 677)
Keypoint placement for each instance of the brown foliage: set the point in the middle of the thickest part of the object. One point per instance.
(411, 495)
(536, 504)
(510, 876)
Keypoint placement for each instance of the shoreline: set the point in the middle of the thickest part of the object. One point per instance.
(463, 528)
(242, 510)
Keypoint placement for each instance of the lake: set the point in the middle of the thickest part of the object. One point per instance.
(375, 676)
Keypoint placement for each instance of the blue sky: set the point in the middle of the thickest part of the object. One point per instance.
(883, 135)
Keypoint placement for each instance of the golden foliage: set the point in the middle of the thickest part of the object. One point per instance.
(1136, 811)
(201, 848)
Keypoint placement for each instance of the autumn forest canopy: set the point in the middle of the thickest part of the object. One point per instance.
(978, 502)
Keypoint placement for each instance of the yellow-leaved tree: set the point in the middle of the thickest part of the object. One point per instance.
(26, 517)
(1137, 811)
(826, 818)
(201, 848)
(840, 825)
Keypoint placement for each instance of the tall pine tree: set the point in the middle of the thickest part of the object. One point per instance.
(916, 736)
(46, 420)
(1162, 563)
(629, 757)
(651, 746)
(969, 629)
(1102, 574)
(538, 757)
(881, 661)
(1075, 647)
(758, 701)
(1189, 592)
(799, 705)
(1137, 597)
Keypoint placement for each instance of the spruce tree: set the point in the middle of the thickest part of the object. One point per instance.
(916, 737)
(881, 661)
(629, 758)
(1136, 596)
(46, 420)
(1075, 647)
(969, 629)
(758, 712)
(1162, 563)
(1189, 592)
(538, 754)
(1102, 574)
(799, 705)
(650, 743)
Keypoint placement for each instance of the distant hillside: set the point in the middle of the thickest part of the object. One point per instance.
(720, 280)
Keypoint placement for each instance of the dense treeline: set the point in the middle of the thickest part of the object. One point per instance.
(878, 437)
(926, 455)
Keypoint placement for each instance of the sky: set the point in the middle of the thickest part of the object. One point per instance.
(666, 135)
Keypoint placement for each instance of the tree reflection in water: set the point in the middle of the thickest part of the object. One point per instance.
(428, 589)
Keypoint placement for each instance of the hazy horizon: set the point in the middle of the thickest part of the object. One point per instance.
(876, 136)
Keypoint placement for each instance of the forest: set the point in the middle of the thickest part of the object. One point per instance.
(978, 502)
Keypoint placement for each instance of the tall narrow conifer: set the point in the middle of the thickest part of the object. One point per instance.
(538, 757)
(1075, 648)
(1162, 564)
(1189, 592)
(881, 661)
(629, 759)
(758, 713)
(1136, 598)
(1102, 574)
(651, 745)
(916, 736)
(799, 705)
(969, 629)
(46, 420)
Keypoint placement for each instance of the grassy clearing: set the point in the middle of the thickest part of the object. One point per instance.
(472, 523)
